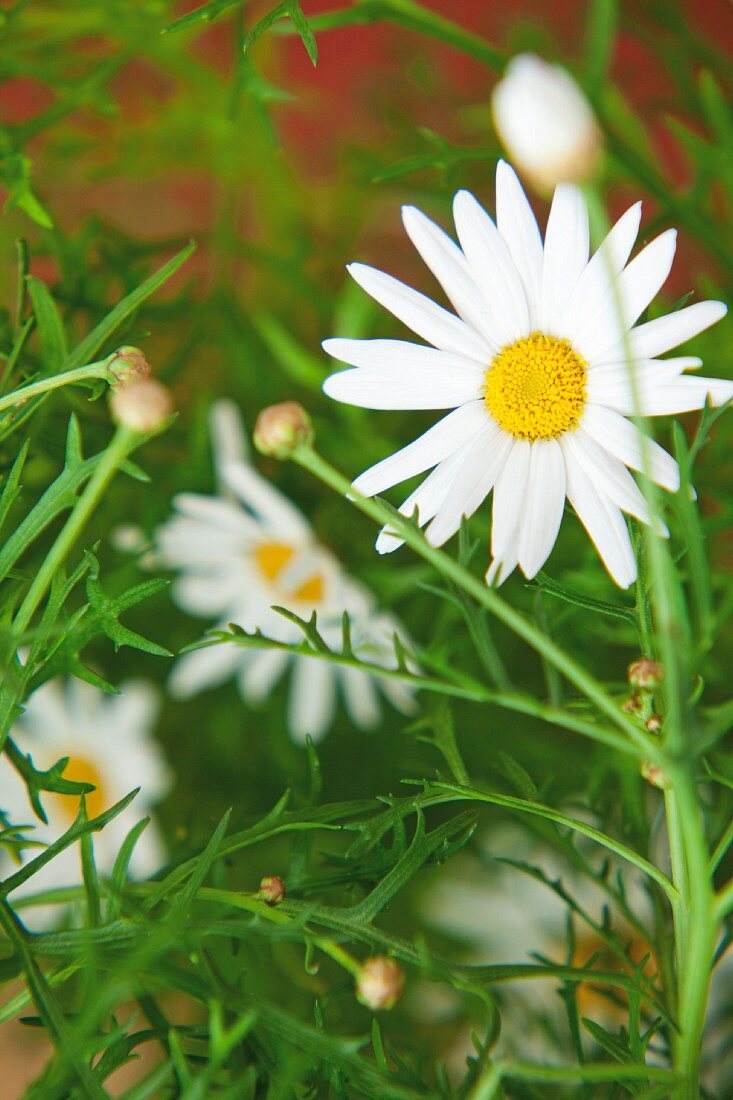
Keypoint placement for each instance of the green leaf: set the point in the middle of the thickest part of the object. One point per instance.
(204, 14)
(442, 791)
(303, 28)
(50, 326)
(15, 172)
(600, 35)
(93, 341)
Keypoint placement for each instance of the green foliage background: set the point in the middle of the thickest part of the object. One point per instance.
(138, 105)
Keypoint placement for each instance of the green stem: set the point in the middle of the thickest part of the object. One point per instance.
(122, 443)
(699, 928)
(487, 597)
(67, 378)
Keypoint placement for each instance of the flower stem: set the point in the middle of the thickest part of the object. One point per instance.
(122, 443)
(695, 932)
(66, 378)
(487, 597)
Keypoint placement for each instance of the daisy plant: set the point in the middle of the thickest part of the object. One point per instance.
(506, 873)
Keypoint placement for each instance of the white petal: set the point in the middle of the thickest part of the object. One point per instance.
(611, 476)
(685, 395)
(397, 356)
(623, 439)
(510, 497)
(640, 282)
(227, 435)
(566, 255)
(436, 444)
(361, 698)
(655, 391)
(423, 316)
(212, 511)
(517, 224)
(450, 268)
(206, 596)
(590, 294)
(472, 482)
(260, 674)
(203, 669)
(655, 337)
(602, 520)
(540, 520)
(631, 387)
(628, 297)
(312, 702)
(427, 498)
(493, 269)
(270, 505)
(423, 387)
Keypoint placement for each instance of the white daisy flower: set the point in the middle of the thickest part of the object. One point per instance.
(108, 739)
(534, 368)
(247, 550)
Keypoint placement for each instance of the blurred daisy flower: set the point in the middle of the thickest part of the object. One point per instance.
(243, 552)
(541, 366)
(108, 740)
(503, 916)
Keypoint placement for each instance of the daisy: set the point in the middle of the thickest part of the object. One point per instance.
(503, 916)
(541, 365)
(247, 550)
(108, 741)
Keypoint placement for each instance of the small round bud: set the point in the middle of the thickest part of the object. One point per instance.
(654, 723)
(272, 890)
(546, 123)
(655, 776)
(127, 363)
(281, 429)
(632, 705)
(645, 675)
(141, 404)
(380, 983)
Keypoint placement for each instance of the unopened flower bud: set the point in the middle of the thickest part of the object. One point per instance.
(645, 675)
(545, 123)
(127, 363)
(380, 983)
(281, 429)
(655, 776)
(654, 723)
(272, 890)
(141, 404)
(632, 705)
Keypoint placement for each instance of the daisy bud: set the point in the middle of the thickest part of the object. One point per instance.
(281, 429)
(545, 123)
(654, 723)
(380, 983)
(655, 776)
(127, 363)
(632, 705)
(645, 675)
(272, 890)
(141, 405)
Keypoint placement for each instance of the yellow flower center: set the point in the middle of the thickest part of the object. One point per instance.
(272, 558)
(81, 770)
(535, 388)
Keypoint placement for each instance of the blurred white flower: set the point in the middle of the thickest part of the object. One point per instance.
(505, 916)
(502, 915)
(108, 740)
(545, 123)
(248, 549)
(535, 368)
